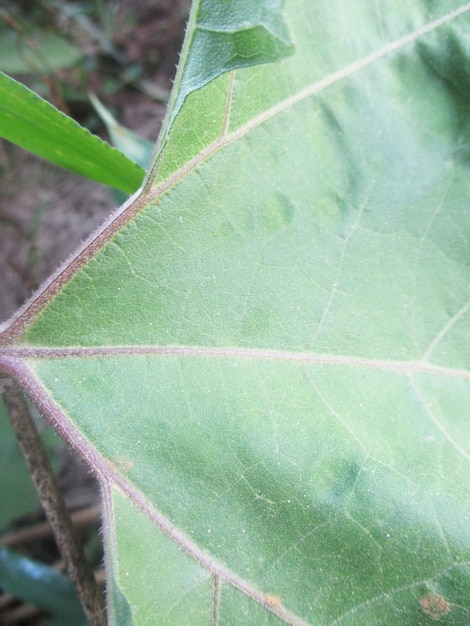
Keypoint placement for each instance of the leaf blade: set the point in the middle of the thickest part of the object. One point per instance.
(292, 313)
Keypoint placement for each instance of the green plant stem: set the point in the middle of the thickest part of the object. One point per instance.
(53, 504)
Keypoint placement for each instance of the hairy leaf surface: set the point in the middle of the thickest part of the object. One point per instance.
(264, 355)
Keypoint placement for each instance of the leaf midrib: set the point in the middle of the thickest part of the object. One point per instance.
(110, 477)
(214, 567)
(253, 354)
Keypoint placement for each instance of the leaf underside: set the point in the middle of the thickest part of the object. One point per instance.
(265, 358)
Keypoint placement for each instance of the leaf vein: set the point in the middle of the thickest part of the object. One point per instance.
(180, 351)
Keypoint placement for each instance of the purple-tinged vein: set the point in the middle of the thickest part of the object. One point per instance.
(248, 354)
(108, 475)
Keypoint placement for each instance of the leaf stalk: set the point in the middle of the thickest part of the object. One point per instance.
(54, 506)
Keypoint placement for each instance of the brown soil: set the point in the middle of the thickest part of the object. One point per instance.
(45, 212)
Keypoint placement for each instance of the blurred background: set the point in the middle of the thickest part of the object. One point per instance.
(125, 52)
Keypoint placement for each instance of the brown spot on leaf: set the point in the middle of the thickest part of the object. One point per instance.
(273, 602)
(434, 605)
(121, 464)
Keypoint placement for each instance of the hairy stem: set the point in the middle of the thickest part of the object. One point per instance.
(53, 504)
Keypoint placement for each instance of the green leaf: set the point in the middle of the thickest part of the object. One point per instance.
(34, 124)
(224, 36)
(40, 585)
(17, 493)
(40, 53)
(264, 356)
(131, 145)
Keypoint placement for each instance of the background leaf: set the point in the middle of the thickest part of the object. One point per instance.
(50, 53)
(41, 585)
(34, 124)
(266, 361)
(129, 143)
(17, 493)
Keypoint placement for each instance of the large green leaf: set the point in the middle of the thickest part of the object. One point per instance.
(264, 356)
